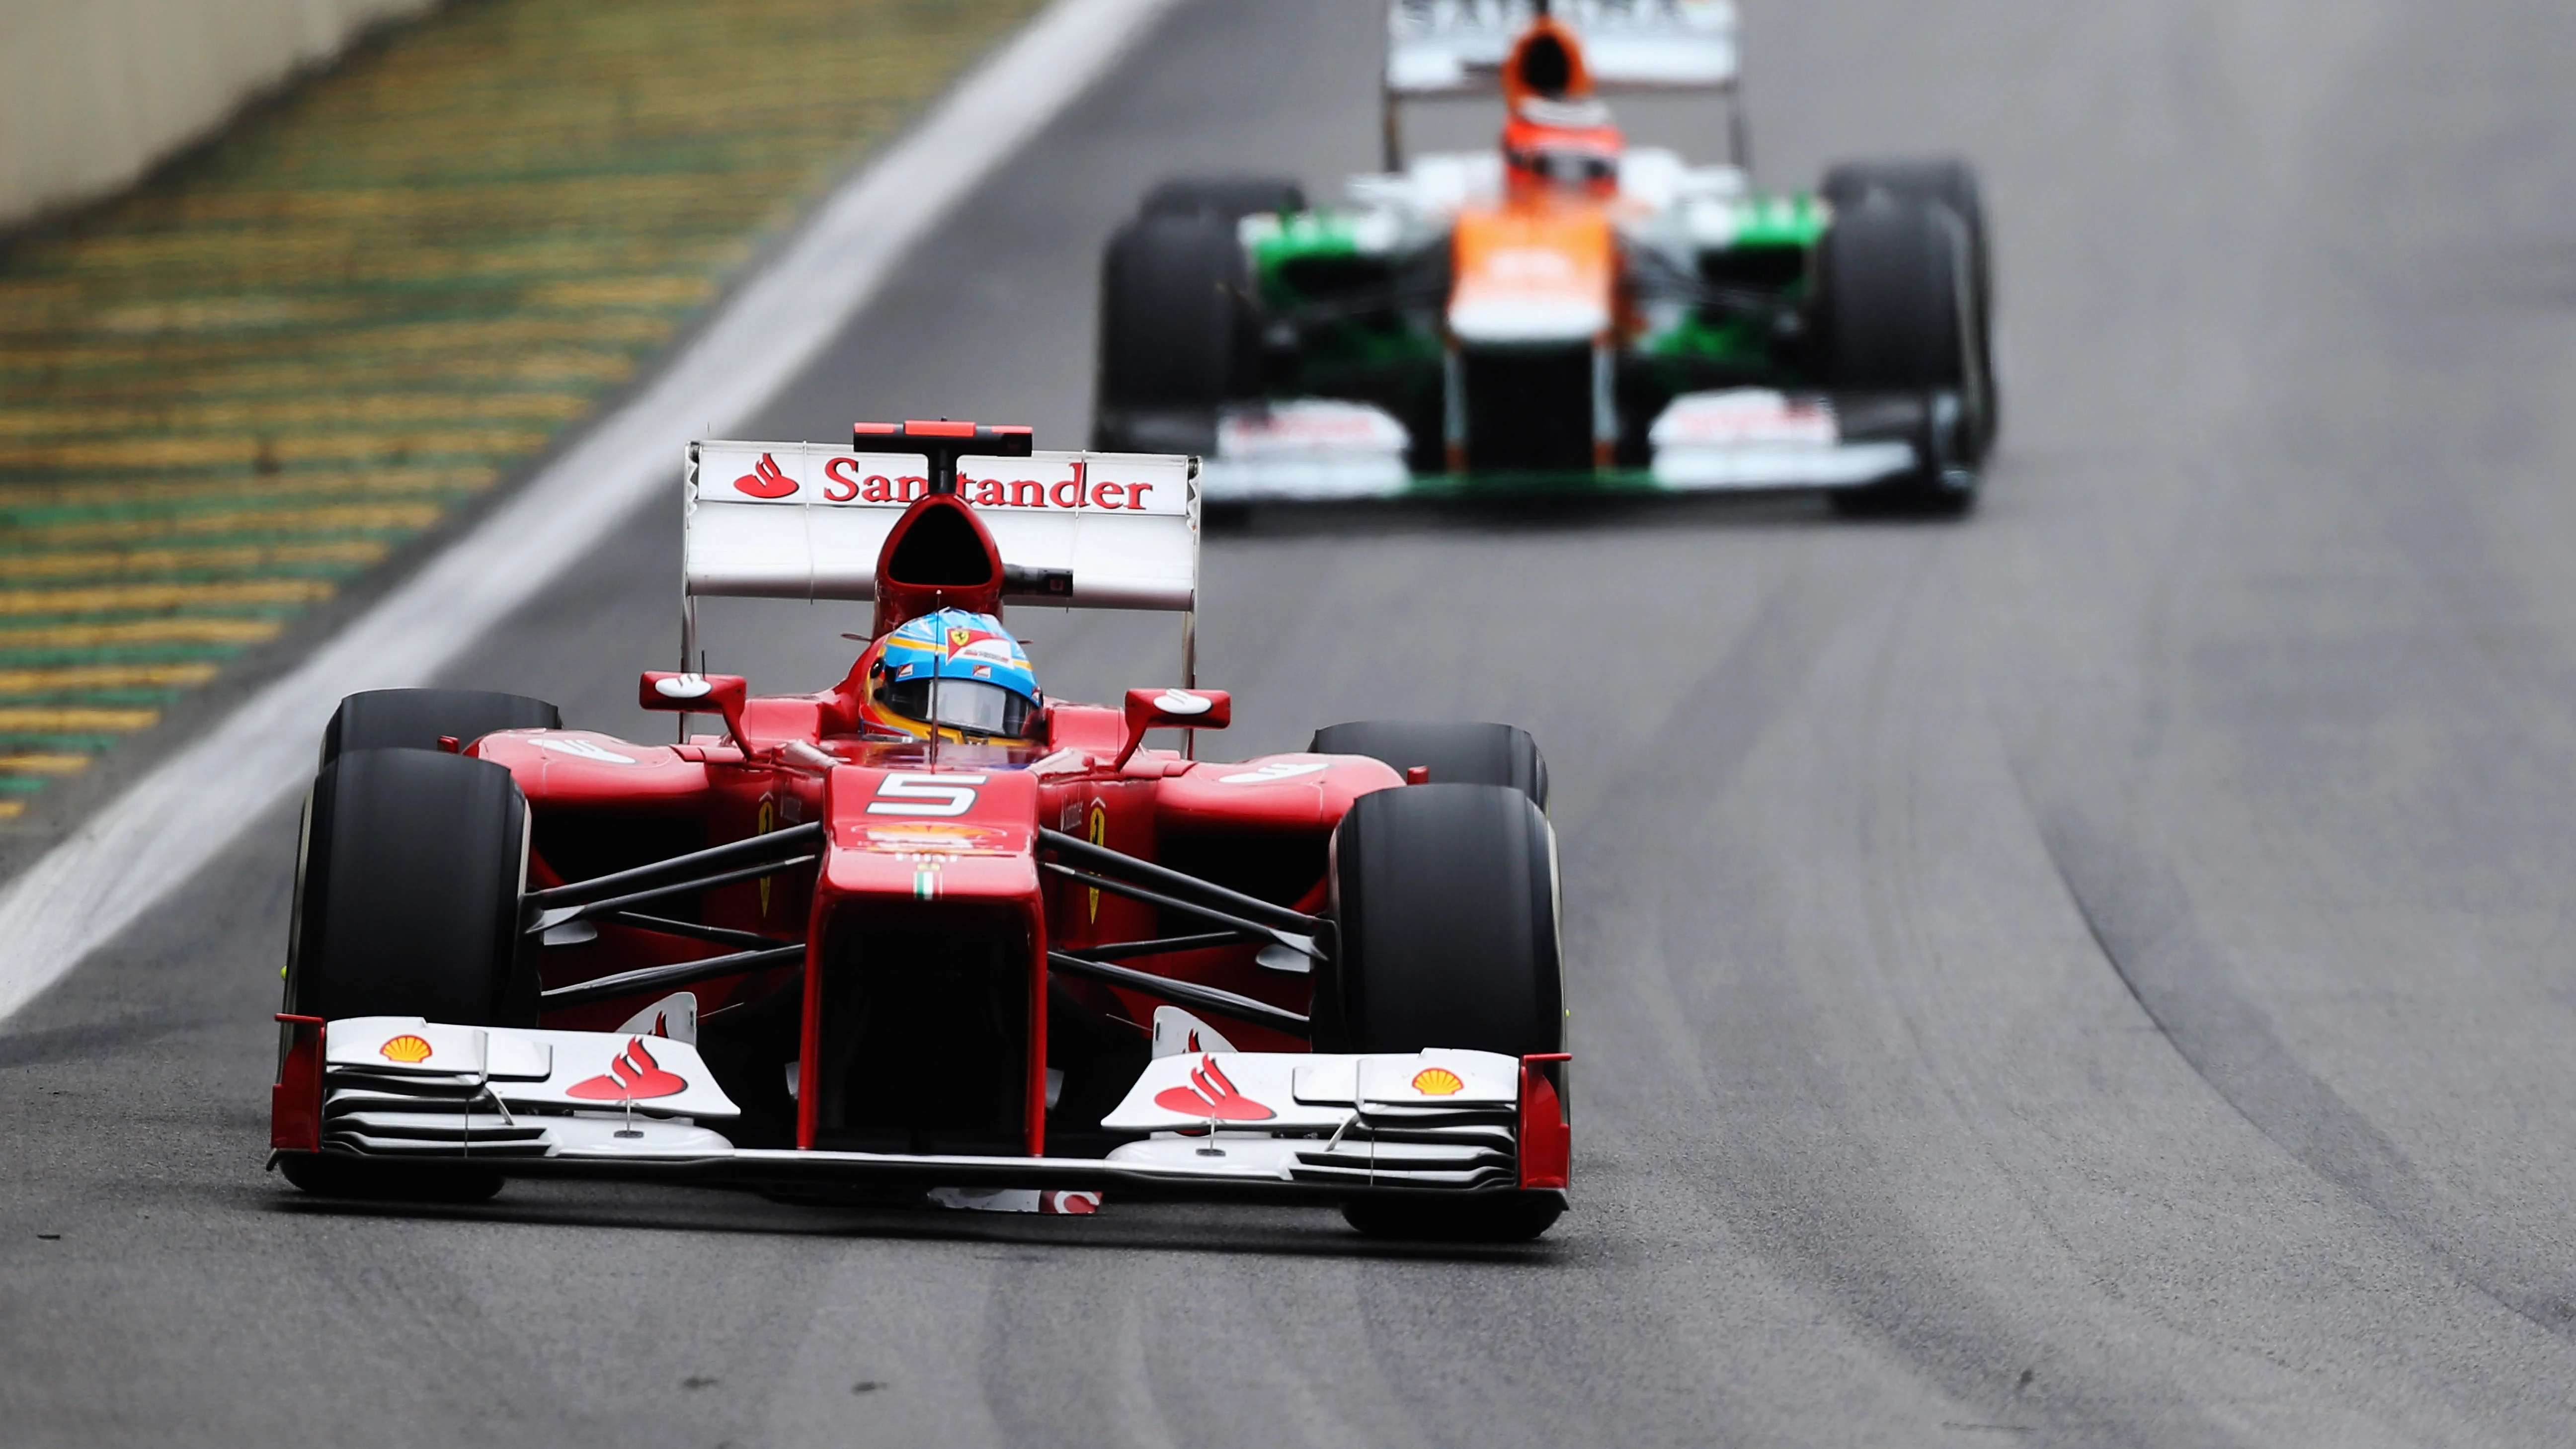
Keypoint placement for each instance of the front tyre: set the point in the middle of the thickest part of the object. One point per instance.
(407, 895)
(407, 892)
(1445, 900)
(1895, 315)
(1444, 897)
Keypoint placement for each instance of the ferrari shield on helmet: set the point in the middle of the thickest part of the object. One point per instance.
(961, 671)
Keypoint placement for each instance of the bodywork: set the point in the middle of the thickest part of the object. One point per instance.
(786, 955)
(1657, 330)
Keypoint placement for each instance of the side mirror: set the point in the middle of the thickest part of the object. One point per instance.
(1185, 709)
(722, 694)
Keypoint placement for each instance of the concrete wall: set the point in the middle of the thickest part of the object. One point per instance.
(92, 92)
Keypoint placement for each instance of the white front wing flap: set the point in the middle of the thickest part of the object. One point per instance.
(1306, 450)
(1315, 450)
(401, 1086)
(1757, 438)
(1265, 1125)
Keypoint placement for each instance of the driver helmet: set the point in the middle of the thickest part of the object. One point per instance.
(957, 671)
(1558, 136)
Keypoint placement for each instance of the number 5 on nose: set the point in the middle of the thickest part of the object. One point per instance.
(911, 794)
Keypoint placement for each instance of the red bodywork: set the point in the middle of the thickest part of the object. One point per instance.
(930, 845)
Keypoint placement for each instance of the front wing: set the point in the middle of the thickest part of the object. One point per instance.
(1251, 1126)
(1312, 450)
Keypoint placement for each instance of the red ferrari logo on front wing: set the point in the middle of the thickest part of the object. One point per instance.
(633, 1077)
(1209, 1094)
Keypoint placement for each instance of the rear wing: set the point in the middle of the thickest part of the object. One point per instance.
(807, 520)
(1457, 47)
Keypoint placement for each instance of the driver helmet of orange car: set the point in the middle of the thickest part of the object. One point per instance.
(958, 672)
(1557, 136)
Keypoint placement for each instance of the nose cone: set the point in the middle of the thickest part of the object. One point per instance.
(1529, 277)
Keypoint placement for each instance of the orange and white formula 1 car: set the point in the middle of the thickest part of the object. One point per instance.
(1563, 313)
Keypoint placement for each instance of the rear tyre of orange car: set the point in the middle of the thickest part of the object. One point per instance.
(407, 904)
(1453, 753)
(1231, 197)
(1444, 898)
(416, 719)
(1895, 315)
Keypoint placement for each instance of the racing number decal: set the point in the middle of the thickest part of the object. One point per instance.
(938, 795)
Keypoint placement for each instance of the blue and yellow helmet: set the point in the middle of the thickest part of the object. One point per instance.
(962, 670)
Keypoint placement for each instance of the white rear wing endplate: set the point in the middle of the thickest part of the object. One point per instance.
(1457, 47)
(807, 520)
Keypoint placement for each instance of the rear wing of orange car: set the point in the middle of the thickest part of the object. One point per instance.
(1456, 48)
(808, 520)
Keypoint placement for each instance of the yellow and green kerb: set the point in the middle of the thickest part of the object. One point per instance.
(226, 393)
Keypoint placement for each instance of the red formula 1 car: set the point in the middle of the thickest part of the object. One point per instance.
(928, 934)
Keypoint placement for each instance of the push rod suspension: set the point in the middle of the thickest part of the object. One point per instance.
(668, 978)
(1122, 866)
(615, 905)
(794, 840)
(1123, 950)
(722, 936)
(1188, 993)
(1305, 945)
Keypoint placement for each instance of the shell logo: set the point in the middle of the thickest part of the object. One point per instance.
(1438, 1082)
(406, 1049)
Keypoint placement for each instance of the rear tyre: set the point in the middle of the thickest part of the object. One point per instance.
(1231, 197)
(1953, 184)
(1178, 338)
(415, 719)
(407, 904)
(1454, 754)
(1894, 315)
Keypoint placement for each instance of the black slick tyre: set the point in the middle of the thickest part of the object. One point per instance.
(1452, 753)
(1951, 183)
(407, 893)
(1178, 339)
(407, 904)
(416, 719)
(1894, 316)
(1231, 197)
(1444, 898)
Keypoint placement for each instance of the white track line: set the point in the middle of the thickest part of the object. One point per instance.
(176, 819)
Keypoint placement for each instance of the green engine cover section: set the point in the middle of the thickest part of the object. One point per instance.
(1795, 220)
(1309, 236)
(1337, 260)
(1361, 324)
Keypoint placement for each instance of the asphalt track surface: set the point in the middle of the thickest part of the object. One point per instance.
(2088, 975)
